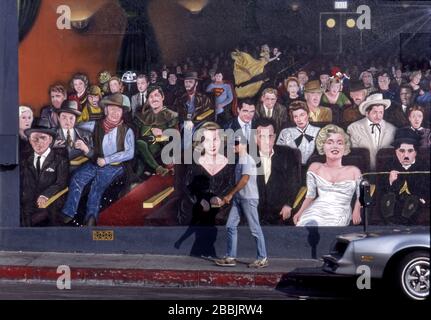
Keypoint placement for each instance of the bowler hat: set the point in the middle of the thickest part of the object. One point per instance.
(406, 135)
(356, 85)
(41, 126)
(69, 106)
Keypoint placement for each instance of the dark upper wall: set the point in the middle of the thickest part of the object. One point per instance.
(48, 55)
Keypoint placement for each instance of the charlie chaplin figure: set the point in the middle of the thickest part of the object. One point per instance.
(405, 192)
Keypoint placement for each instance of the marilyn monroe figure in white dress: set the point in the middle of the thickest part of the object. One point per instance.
(332, 183)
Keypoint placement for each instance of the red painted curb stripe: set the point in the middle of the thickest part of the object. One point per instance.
(147, 277)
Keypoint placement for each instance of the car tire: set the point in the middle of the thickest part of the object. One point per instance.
(412, 275)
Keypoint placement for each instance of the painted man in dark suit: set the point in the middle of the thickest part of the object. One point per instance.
(140, 98)
(243, 124)
(268, 107)
(43, 174)
(77, 142)
(278, 179)
(405, 194)
(397, 114)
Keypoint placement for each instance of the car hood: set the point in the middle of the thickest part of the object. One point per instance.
(382, 233)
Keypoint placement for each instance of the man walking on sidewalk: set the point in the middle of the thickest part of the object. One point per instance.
(245, 200)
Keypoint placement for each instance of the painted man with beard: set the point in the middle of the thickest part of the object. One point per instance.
(192, 103)
(190, 106)
(358, 94)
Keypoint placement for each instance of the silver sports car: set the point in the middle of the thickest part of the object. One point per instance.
(401, 257)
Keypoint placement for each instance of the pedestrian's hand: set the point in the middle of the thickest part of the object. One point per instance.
(216, 202)
(227, 198)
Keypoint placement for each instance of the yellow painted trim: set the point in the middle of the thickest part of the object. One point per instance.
(54, 198)
(156, 199)
(204, 115)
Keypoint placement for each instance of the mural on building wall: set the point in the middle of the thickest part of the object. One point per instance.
(126, 121)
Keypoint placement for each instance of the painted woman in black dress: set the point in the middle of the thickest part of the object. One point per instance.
(208, 180)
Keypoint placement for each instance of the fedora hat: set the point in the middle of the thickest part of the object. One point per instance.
(69, 106)
(191, 75)
(356, 85)
(374, 99)
(116, 99)
(313, 86)
(41, 126)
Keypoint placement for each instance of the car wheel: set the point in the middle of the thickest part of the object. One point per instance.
(413, 275)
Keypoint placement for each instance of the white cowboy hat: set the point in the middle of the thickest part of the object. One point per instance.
(374, 99)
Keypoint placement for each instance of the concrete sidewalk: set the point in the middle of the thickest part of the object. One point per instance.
(145, 269)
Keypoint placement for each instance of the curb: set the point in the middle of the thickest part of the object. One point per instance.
(146, 278)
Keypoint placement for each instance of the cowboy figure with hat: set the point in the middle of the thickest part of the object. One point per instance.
(114, 145)
(406, 190)
(76, 141)
(43, 174)
(192, 103)
(372, 132)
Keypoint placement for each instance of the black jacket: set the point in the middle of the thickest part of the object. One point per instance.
(282, 186)
(418, 184)
(54, 177)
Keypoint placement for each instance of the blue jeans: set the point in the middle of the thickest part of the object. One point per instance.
(100, 177)
(249, 208)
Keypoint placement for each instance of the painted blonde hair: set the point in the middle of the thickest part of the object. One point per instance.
(23, 109)
(324, 134)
